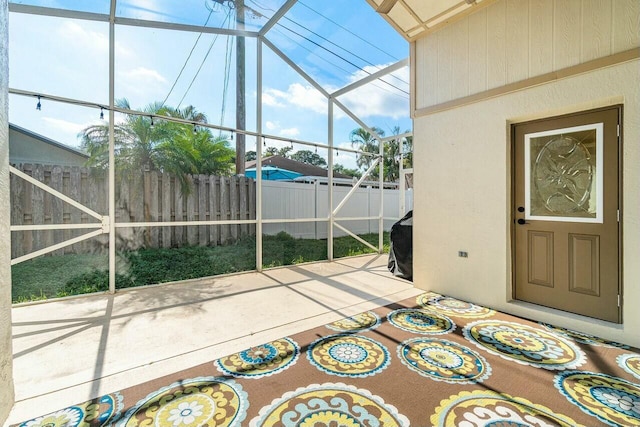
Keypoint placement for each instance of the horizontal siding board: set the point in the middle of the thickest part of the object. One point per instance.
(515, 40)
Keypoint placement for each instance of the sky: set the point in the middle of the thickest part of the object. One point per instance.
(334, 42)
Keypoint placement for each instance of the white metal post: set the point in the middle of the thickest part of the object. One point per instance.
(259, 156)
(381, 184)
(401, 186)
(112, 162)
(330, 181)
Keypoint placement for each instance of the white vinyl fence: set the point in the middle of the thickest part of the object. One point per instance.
(292, 200)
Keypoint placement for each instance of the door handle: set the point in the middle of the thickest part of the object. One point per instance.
(522, 221)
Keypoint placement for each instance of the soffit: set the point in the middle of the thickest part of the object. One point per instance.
(417, 18)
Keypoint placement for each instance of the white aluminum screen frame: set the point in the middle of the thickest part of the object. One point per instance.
(106, 226)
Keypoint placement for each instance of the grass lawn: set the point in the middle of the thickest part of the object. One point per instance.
(73, 274)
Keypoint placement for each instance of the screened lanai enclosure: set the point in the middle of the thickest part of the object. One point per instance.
(133, 124)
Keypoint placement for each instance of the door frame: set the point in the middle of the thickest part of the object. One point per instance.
(512, 216)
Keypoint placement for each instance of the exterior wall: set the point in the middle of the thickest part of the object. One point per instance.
(6, 356)
(464, 203)
(24, 148)
(513, 40)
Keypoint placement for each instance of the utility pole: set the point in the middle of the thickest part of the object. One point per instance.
(240, 89)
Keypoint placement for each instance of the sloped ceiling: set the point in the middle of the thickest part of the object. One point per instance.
(417, 18)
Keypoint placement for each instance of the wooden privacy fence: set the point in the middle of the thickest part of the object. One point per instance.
(147, 196)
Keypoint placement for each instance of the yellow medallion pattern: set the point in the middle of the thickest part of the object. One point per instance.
(612, 400)
(359, 323)
(348, 355)
(453, 307)
(630, 362)
(524, 344)
(481, 408)
(261, 361)
(329, 405)
(200, 401)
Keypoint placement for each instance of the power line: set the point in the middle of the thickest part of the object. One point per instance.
(332, 43)
(342, 48)
(186, 61)
(349, 31)
(337, 66)
(227, 72)
(342, 58)
(203, 61)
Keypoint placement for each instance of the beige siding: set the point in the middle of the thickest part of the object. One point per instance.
(462, 198)
(513, 40)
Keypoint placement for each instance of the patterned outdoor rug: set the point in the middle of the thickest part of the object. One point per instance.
(430, 360)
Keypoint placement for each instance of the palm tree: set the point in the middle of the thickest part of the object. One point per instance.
(365, 141)
(145, 144)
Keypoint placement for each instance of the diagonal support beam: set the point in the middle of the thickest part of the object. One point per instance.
(355, 236)
(371, 77)
(355, 118)
(55, 247)
(58, 194)
(276, 17)
(295, 66)
(356, 186)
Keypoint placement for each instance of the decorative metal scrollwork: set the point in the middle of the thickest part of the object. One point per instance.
(563, 174)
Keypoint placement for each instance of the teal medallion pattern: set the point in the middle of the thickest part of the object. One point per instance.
(612, 400)
(260, 361)
(203, 401)
(443, 360)
(359, 323)
(329, 405)
(630, 362)
(347, 355)
(421, 321)
(452, 307)
(582, 338)
(97, 412)
(524, 344)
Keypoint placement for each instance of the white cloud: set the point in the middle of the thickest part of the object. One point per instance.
(64, 125)
(379, 98)
(298, 95)
(290, 132)
(78, 35)
(270, 97)
(272, 125)
(143, 74)
(307, 97)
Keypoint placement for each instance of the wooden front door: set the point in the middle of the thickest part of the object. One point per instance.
(566, 213)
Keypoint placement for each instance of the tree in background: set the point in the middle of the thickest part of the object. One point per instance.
(309, 157)
(273, 151)
(338, 168)
(365, 141)
(162, 145)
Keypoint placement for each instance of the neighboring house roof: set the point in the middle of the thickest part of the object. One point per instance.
(26, 146)
(293, 165)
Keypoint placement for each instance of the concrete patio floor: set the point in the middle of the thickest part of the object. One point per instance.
(72, 350)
